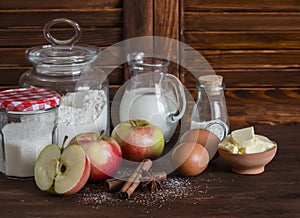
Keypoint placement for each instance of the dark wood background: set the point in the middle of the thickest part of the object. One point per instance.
(254, 44)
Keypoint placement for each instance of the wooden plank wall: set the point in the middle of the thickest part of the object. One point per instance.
(21, 27)
(254, 44)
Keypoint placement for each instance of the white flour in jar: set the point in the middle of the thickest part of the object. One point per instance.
(80, 112)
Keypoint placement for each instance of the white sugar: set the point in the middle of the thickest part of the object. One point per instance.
(23, 143)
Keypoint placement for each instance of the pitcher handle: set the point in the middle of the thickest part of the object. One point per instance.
(181, 100)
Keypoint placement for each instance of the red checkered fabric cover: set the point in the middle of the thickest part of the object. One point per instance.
(28, 99)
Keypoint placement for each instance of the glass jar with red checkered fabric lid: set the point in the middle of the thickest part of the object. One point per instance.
(72, 70)
(28, 122)
(28, 99)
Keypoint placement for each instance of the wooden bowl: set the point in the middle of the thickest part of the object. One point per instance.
(250, 164)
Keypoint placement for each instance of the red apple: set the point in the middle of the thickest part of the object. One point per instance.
(103, 152)
(139, 139)
(62, 170)
(83, 138)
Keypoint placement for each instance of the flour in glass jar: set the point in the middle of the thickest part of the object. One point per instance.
(80, 112)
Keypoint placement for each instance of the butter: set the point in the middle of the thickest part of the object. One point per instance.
(227, 145)
(243, 137)
(245, 141)
(264, 142)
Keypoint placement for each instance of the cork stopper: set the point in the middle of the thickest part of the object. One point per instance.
(211, 83)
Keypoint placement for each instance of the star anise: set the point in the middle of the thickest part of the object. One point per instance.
(153, 180)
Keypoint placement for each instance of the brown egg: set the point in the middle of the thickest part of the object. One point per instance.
(204, 137)
(190, 159)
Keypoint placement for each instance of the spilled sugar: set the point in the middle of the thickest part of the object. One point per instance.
(174, 188)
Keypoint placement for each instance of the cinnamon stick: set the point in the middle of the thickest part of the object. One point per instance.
(134, 180)
(114, 184)
(147, 163)
(131, 188)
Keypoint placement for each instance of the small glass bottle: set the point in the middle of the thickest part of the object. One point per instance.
(69, 69)
(28, 119)
(210, 110)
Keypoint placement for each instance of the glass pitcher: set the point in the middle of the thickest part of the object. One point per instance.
(152, 94)
(210, 111)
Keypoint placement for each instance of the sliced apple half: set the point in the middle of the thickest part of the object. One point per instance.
(62, 170)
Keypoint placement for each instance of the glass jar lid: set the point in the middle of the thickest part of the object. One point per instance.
(62, 53)
(28, 99)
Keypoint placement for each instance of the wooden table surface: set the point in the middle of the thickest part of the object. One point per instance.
(217, 192)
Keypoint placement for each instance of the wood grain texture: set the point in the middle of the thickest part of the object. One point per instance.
(16, 57)
(265, 105)
(32, 37)
(240, 77)
(25, 19)
(138, 18)
(166, 18)
(236, 21)
(243, 40)
(62, 4)
(166, 24)
(10, 75)
(138, 21)
(271, 106)
(241, 5)
(254, 46)
(21, 27)
(13, 57)
(222, 59)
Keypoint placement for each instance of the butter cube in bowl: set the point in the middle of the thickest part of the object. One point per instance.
(248, 156)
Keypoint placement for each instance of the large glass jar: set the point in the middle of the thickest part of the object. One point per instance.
(28, 119)
(68, 69)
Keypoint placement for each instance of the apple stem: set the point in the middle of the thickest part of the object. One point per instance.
(100, 135)
(136, 123)
(63, 144)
